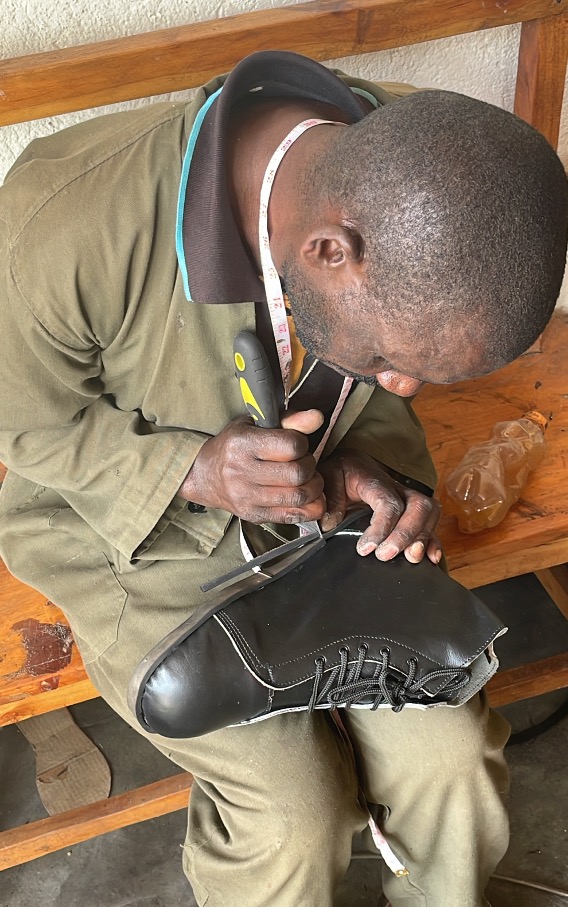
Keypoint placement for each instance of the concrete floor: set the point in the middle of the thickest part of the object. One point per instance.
(140, 866)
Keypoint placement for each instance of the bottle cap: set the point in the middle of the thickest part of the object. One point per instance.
(537, 418)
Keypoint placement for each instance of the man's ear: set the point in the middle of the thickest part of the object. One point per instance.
(333, 247)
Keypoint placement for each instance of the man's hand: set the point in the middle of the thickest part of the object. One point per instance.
(403, 519)
(260, 474)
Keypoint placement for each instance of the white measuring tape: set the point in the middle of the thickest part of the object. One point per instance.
(272, 285)
(275, 300)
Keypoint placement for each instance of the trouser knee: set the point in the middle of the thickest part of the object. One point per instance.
(290, 824)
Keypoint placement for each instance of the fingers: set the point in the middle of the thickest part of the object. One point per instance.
(273, 444)
(403, 519)
(261, 475)
(434, 550)
(290, 442)
(306, 421)
(335, 495)
(280, 492)
(403, 522)
(297, 497)
(286, 514)
(388, 507)
(274, 473)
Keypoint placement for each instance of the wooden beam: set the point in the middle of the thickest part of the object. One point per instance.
(40, 666)
(541, 74)
(18, 845)
(37, 701)
(542, 676)
(555, 581)
(90, 75)
(508, 564)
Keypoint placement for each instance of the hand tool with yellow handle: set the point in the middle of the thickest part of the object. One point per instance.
(259, 394)
(255, 379)
(258, 391)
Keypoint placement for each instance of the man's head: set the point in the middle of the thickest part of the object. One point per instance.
(430, 242)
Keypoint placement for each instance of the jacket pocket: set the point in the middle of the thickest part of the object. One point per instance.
(80, 579)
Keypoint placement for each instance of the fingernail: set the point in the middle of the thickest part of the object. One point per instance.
(326, 521)
(416, 549)
(437, 555)
(386, 552)
(365, 547)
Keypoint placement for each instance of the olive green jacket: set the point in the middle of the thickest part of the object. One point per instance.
(110, 379)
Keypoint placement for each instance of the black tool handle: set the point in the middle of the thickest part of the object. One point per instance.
(256, 380)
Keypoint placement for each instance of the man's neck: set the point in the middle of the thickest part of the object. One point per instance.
(255, 133)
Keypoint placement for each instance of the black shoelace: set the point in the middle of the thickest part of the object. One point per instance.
(345, 686)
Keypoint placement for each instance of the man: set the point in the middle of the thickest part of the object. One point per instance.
(420, 239)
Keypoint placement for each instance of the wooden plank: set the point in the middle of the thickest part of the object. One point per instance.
(541, 74)
(18, 845)
(543, 676)
(40, 666)
(73, 689)
(90, 75)
(555, 581)
(513, 563)
(459, 415)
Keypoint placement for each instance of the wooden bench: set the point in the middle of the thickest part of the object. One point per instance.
(40, 668)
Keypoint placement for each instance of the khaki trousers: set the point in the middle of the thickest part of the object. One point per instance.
(275, 804)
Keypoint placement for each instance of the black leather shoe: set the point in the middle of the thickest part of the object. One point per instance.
(329, 629)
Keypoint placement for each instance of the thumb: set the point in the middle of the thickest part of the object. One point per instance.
(306, 421)
(335, 494)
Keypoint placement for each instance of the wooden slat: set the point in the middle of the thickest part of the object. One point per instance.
(541, 74)
(75, 687)
(533, 535)
(555, 581)
(40, 666)
(18, 845)
(90, 75)
(532, 559)
(543, 676)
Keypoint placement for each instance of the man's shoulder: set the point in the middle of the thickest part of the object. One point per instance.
(86, 210)
(63, 163)
(382, 92)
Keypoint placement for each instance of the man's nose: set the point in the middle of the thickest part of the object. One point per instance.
(396, 383)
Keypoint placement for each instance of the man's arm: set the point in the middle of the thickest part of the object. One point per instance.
(61, 428)
(86, 251)
(58, 429)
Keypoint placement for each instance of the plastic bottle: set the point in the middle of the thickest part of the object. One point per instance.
(492, 475)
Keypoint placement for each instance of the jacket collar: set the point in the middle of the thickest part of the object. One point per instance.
(218, 264)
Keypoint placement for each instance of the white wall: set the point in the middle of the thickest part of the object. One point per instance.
(482, 64)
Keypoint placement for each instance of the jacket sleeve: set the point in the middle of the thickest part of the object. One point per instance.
(389, 430)
(58, 428)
